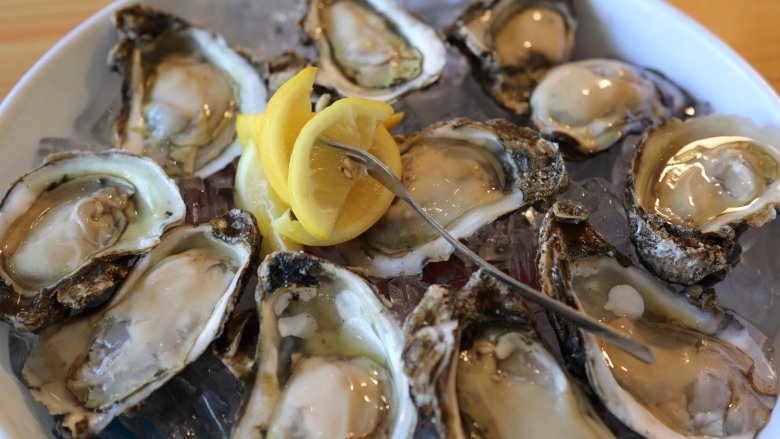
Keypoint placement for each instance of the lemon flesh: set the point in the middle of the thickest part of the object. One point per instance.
(322, 179)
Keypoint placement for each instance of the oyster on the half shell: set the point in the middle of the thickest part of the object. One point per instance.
(328, 358)
(711, 377)
(589, 105)
(170, 308)
(512, 44)
(373, 48)
(69, 227)
(693, 188)
(465, 174)
(182, 89)
(478, 368)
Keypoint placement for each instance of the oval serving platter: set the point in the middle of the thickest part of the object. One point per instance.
(67, 92)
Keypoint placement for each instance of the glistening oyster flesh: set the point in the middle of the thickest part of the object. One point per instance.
(465, 174)
(170, 308)
(589, 105)
(478, 368)
(693, 187)
(710, 378)
(512, 43)
(68, 227)
(373, 48)
(328, 359)
(182, 89)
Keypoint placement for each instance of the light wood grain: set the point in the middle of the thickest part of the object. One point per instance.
(28, 28)
(749, 26)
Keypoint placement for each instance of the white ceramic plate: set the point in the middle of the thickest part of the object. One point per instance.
(73, 75)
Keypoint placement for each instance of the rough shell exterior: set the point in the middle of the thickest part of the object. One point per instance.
(678, 253)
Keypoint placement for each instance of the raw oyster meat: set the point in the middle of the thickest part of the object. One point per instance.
(68, 227)
(711, 377)
(373, 48)
(478, 368)
(693, 187)
(589, 105)
(182, 89)
(328, 359)
(512, 43)
(465, 174)
(170, 308)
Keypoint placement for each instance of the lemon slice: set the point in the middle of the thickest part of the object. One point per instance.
(287, 112)
(325, 186)
(252, 190)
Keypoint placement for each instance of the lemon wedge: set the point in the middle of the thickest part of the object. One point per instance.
(287, 112)
(253, 192)
(332, 197)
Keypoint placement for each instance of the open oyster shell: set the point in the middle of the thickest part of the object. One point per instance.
(173, 304)
(587, 106)
(478, 368)
(373, 48)
(182, 89)
(68, 227)
(512, 44)
(328, 358)
(710, 378)
(465, 174)
(693, 188)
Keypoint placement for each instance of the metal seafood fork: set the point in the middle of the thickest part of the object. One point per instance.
(383, 175)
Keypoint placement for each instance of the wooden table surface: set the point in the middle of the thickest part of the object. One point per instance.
(28, 28)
